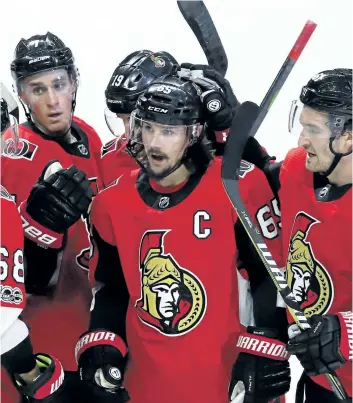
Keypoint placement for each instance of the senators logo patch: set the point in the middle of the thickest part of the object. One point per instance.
(244, 168)
(112, 145)
(173, 300)
(24, 149)
(308, 279)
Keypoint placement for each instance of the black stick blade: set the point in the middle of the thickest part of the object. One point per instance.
(238, 135)
(199, 20)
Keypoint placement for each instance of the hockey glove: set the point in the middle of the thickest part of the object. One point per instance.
(256, 154)
(59, 200)
(217, 95)
(46, 387)
(261, 372)
(100, 356)
(326, 346)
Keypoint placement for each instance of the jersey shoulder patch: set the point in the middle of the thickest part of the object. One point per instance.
(5, 194)
(245, 168)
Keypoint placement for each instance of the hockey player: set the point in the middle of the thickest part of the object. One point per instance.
(37, 376)
(46, 80)
(166, 284)
(132, 76)
(314, 184)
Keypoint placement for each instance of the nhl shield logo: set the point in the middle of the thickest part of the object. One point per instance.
(83, 149)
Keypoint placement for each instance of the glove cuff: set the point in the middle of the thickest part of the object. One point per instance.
(346, 339)
(48, 382)
(262, 346)
(222, 135)
(99, 338)
(37, 232)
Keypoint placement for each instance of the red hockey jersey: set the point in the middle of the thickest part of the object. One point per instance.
(115, 161)
(57, 321)
(317, 238)
(12, 289)
(177, 253)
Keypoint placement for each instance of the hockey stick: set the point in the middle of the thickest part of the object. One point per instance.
(199, 20)
(248, 119)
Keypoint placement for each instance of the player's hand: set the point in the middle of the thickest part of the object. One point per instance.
(217, 96)
(44, 382)
(100, 356)
(325, 347)
(258, 376)
(60, 197)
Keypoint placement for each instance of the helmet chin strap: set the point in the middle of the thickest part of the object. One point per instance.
(336, 159)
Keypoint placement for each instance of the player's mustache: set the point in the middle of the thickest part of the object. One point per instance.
(156, 151)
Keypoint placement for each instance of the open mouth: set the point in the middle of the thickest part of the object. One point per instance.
(54, 115)
(157, 157)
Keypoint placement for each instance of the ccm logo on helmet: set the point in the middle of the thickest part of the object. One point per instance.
(156, 109)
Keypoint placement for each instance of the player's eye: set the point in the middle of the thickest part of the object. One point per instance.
(168, 132)
(147, 127)
(59, 85)
(38, 90)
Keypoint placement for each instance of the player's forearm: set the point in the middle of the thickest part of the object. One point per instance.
(41, 265)
(19, 359)
(109, 312)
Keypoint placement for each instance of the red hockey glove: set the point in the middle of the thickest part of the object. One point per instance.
(100, 356)
(59, 199)
(261, 372)
(46, 387)
(326, 346)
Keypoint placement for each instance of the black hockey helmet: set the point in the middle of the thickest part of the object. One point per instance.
(133, 75)
(41, 53)
(171, 100)
(330, 91)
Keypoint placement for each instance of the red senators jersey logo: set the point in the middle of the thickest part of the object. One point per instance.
(173, 300)
(25, 149)
(306, 276)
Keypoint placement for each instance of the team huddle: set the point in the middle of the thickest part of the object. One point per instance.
(126, 274)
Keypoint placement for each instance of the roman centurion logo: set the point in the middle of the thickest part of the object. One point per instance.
(306, 276)
(173, 300)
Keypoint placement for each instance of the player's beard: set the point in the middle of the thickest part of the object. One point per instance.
(156, 154)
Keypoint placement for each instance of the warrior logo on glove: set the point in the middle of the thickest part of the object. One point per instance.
(173, 300)
(307, 278)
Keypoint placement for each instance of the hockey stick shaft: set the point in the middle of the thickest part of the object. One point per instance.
(231, 162)
(199, 20)
(284, 72)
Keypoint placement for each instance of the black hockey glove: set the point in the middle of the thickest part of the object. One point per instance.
(48, 386)
(261, 371)
(100, 356)
(217, 96)
(59, 199)
(325, 347)
(256, 154)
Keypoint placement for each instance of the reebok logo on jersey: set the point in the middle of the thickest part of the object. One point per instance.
(262, 346)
